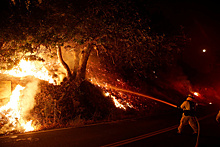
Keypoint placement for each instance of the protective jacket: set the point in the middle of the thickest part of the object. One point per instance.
(188, 107)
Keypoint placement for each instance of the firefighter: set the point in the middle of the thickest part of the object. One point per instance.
(188, 116)
(218, 117)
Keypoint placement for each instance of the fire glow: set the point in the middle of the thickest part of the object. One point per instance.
(196, 93)
(31, 68)
(118, 103)
(11, 113)
(14, 114)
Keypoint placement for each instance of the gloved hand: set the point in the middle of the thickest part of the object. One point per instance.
(178, 107)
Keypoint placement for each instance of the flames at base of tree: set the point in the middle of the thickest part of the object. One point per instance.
(14, 115)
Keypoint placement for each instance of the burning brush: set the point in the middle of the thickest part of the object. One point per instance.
(14, 115)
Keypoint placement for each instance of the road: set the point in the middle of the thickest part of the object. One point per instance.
(155, 131)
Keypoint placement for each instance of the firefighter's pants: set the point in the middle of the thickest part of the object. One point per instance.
(185, 120)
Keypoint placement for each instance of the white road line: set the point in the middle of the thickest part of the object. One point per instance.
(126, 141)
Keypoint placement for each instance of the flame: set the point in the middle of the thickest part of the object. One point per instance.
(107, 94)
(11, 114)
(31, 68)
(196, 93)
(118, 104)
(28, 126)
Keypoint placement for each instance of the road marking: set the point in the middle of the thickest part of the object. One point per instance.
(126, 141)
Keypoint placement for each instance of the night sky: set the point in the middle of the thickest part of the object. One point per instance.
(201, 23)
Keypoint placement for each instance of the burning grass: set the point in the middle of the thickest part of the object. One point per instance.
(55, 106)
(41, 104)
(72, 105)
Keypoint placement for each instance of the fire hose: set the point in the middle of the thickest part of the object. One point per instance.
(146, 96)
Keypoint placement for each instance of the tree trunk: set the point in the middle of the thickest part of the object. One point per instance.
(82, 69)
(76, 63)
(60, 57)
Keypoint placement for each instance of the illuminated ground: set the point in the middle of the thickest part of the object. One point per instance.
(155, 131)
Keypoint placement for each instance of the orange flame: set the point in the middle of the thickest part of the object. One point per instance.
(196, 93)
(12, 114)
(31, 68)
(117, 103)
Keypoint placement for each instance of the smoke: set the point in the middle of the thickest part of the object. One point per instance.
(69, 58)
(27, 101)
(14, 115)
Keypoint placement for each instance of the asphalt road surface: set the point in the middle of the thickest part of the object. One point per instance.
(155, 131)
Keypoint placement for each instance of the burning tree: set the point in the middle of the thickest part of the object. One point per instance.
(54, 32)
(114, 30)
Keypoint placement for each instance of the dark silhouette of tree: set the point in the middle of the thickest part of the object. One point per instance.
(115, 30)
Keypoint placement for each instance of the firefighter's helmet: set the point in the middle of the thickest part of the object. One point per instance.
(191, 96)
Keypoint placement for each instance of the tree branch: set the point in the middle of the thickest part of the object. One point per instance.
(60, 57)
